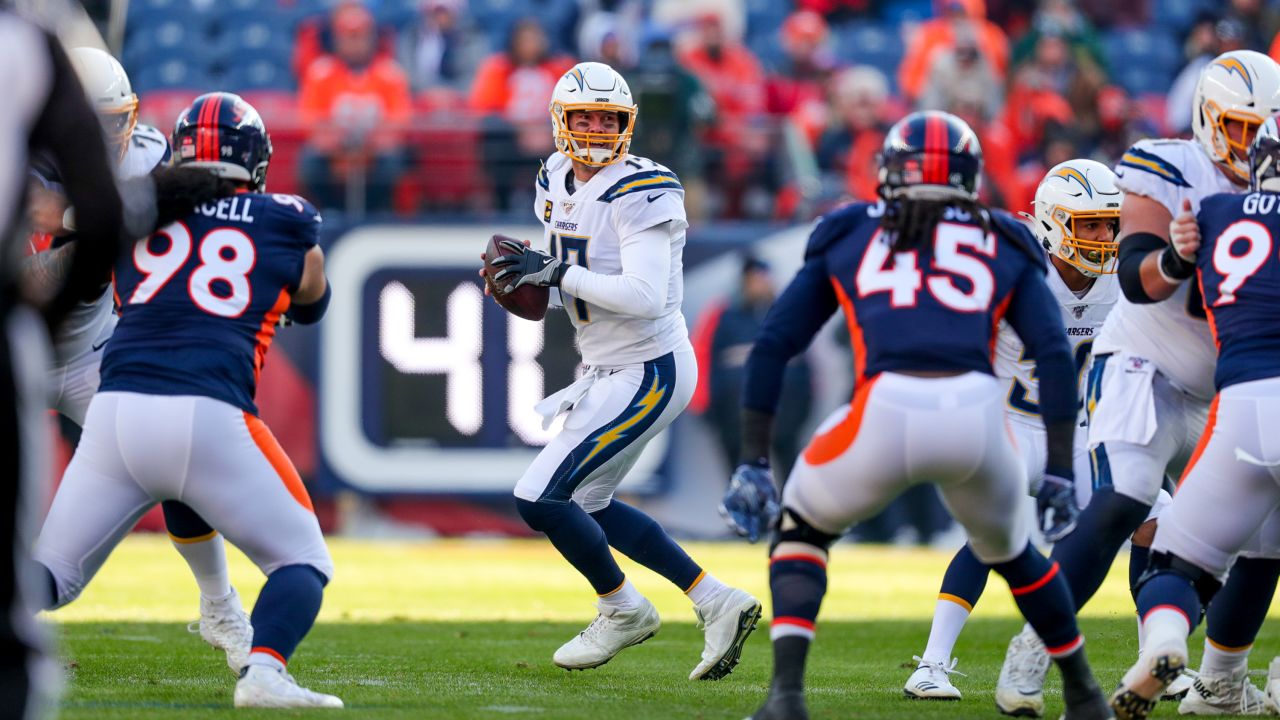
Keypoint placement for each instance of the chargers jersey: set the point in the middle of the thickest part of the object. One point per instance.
(1239, 269)
(935, 308)
(1082, 317)
(200, 299)
(148, 149)
(1171, 333)
(584, 224)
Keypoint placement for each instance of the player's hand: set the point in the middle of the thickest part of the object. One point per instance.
(1184, 233)
(522, 265)
(1056, 507)
(750, 505)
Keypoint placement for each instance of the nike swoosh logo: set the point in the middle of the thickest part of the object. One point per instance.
(651, 198)
(98, 347)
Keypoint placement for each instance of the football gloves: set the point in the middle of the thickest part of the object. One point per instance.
(522, 265)
(1056, 507)
(750, 505)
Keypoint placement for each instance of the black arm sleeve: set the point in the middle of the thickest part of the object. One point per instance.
(1133, 250)
(67, 129)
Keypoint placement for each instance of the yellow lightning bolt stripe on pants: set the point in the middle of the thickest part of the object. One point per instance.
(644, 407)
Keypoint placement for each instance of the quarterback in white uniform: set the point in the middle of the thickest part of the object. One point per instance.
(1077, 214)
(613, 242)
(1151, 379)
(80, 343)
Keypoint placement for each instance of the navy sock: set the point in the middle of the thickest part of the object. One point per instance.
(642, 539)
(798, 581)
(1085, 555)
(1138, 557)
(286, 609)
(1166, 589)
(1237, 612)
(1044, 600)
(966, 577)
(578, 538)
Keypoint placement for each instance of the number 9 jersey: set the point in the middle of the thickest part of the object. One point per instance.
(199, 299)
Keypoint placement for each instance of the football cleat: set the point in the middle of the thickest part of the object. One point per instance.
(1020, 688)
(1146, 681)
(727, 620)
(1225, 695)
(1180, 685)
(782, 706)
(225, 625)
(1273, 682)
(264, 687)
(930, 681)
(610, 633)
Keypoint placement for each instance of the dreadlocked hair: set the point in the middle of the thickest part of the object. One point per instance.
(909, 222)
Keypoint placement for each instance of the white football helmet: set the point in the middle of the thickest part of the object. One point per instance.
(1070, 193)
(1240, 85)
(111, 93)
(592, 86)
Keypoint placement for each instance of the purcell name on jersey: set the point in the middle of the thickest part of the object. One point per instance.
(214, 284)
(585, 223)
(1171, 333)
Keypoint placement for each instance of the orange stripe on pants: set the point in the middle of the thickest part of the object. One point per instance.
(831, 444)
(1204, 440)
(275, 455)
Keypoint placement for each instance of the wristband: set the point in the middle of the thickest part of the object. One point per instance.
(1173, 267)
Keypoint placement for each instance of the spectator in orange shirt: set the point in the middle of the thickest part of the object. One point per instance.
(846, 152)
(797, 89)
(938, 35)
(511, 89)
(357, 104)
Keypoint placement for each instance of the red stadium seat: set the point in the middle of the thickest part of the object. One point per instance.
(162, 107)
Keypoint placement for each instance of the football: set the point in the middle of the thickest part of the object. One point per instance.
(527, 301)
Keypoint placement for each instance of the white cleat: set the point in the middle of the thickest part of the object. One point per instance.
(727, 620)
(931, 681)
(1180, 686)
(1020, 688)
(1147, 680)
(264, 687)
(225, 625)
(610, 633)
(1273, 682)
(1226, 695)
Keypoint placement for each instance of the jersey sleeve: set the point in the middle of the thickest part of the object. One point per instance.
(792, 322)
(541, 201)
(298, 220)
(1156, 169)
(152, 145)
(646, 199)
(1017, 234)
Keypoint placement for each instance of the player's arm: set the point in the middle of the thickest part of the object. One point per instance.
(1151, 269)
(641, 288)
(311, 299)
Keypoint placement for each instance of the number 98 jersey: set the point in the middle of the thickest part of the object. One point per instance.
(1239, 269)
(199, 299)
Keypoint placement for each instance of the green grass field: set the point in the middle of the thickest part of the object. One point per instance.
(466, 629)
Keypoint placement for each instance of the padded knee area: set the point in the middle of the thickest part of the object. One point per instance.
(541, 516)
(794, 528)
(1161, 563)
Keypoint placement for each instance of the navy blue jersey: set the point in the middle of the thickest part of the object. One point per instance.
(199, 299)
(1239, 271)
(932, 309)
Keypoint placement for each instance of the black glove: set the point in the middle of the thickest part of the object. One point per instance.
(1056, 507)
(522, 265)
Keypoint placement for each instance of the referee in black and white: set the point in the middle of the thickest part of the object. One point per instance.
(46, 111)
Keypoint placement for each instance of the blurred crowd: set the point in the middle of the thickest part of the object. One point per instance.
(767, 109)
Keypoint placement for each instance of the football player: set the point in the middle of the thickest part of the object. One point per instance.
(81, 339)
(613, 243)
(1234, 472)
(1077, 213)
(924, 277)
(1150, 383)
(174, 417)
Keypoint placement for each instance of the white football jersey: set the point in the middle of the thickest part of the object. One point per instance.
(148, 148)
(1171, 333)
(1082, 317)
(584, 225)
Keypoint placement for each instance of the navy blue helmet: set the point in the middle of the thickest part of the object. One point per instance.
(930, 153)
(223, 132)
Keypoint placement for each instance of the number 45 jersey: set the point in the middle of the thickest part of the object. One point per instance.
(199, 299)
(587, 223)
(1239, 270)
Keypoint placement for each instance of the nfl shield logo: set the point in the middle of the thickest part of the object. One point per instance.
(1078, 311)
(568, 206)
